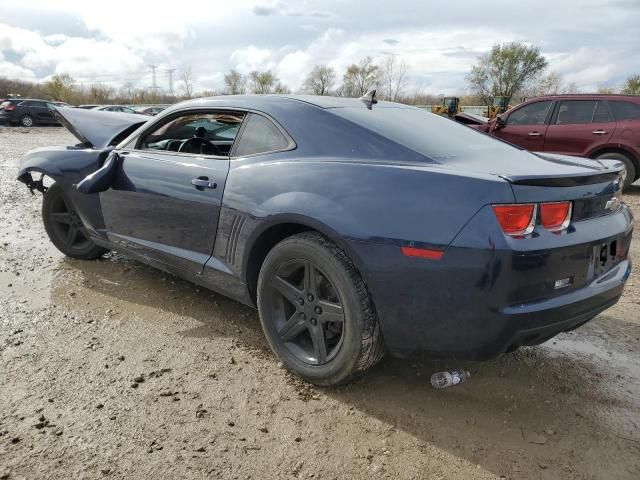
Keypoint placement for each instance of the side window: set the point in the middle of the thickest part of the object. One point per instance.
(625, 110)
(602, 113)
(575, 112)
(260, 135)
(532, 114)
(199, 133)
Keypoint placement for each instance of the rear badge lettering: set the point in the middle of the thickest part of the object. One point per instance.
(562, 283)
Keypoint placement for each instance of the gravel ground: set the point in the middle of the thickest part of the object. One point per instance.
(110, 369)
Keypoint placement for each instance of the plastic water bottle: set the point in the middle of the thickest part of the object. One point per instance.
(449, 379)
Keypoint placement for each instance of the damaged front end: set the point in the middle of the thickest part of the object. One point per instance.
(32, 184)
(98, 133)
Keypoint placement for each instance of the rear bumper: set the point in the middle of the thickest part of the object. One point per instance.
(534, 323)
(485, 297)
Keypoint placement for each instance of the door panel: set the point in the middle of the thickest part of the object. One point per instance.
(578, 127)
(527, 126)
(529, 137)
(155, 209)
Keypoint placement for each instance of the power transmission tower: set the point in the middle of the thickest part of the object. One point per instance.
(153, 77)
(170, 73)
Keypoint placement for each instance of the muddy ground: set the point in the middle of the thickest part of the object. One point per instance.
(110, 369)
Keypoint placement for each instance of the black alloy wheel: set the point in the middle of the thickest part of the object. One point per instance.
(308, 313)
(65, 228)
(316, 311)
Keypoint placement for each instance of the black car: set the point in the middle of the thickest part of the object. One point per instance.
(354, 226)
(27, 112)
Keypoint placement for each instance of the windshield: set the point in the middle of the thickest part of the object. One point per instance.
(424, 132)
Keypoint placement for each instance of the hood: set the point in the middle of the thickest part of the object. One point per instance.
(97, 129)
(470, 119)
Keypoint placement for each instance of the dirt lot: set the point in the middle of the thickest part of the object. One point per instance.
(110, 369)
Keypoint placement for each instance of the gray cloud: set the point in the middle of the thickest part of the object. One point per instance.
(264, 10)
(439, 44)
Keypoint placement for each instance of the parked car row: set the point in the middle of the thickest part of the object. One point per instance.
(29, 112)
(591, 126)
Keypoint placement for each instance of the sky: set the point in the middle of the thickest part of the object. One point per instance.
(589, 42)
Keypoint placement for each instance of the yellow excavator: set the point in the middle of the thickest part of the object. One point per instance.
(498, 106)
(448, 107)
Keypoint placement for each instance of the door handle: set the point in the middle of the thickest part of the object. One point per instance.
(534, 134)
(203, 182)
(599, 132)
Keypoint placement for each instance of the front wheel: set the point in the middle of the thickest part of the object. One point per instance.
(316, 311)
(65, 228)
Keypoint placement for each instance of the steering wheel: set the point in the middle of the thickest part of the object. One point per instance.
(198, 142)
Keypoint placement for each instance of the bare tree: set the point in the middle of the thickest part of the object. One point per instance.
(100, 93)
(505, 70)
(235, 82)
(571, 88)
(320, 80)
(186, 79)
(282, 89)
(394, 77)
(607, 89)
(550, 84)
(360, 78)
(262, 82)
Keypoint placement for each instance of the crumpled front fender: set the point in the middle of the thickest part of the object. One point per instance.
(66, 165)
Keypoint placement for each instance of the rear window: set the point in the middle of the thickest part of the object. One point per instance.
(260, 135)
(424, 132)
(625, 110)
(573, 112)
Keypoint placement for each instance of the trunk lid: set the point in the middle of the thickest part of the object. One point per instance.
(97, 129)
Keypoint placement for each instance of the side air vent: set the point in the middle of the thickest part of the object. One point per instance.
(232, 242)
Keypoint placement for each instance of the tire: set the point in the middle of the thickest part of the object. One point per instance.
(27, 121)
(64, 226)
(310, 294)
(628, 163)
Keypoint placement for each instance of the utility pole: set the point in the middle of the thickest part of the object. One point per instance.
(153, 76)
(170, 73)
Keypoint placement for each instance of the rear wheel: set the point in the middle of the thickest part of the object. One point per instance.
(628, 163)
(26, 121)
(65, 228)
(316, 311)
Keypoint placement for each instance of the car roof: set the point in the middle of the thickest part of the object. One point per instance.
(272, 103)
(588, 96)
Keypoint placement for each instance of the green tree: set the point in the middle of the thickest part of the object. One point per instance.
(360, 78)
(262, 82)
(60, 87)
(632, 85)
(235, 82)
(506, 69)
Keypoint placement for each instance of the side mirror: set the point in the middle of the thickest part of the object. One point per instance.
(101, 179)
(500, 122)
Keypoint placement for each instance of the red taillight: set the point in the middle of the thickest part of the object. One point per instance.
(9, 108)
(428, 253)
(555, 216)
(516, 220)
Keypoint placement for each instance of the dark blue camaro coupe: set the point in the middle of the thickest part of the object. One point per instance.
(356, 227)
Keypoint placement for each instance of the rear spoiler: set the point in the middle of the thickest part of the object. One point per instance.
(572, 181)
(601, 171)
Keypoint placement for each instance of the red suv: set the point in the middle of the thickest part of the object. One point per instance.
(593, 126)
